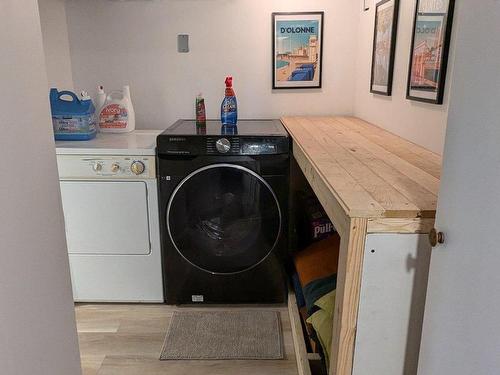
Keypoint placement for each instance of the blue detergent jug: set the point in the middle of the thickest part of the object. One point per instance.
(73, 120)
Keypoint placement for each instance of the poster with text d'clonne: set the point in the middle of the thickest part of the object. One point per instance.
(297, 50)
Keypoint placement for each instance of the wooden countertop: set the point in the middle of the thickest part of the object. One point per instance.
(370, 172)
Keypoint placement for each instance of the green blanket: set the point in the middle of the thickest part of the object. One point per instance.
(322, 321)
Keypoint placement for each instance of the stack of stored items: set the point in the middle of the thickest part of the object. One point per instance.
(313, 223)
(316, 268)
(315, 279)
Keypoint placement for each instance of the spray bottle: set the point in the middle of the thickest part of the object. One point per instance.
(100, 98)
(229, 106)
(201, 118)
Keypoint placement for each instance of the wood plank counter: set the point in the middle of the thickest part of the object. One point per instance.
(369, 181)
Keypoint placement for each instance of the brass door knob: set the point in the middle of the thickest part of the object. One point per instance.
(436, 237)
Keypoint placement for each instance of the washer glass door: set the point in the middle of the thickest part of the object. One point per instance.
(224, 219)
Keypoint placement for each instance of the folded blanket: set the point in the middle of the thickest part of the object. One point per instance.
(322, 321)
(318, 260)
(317, 269)
(317, 289)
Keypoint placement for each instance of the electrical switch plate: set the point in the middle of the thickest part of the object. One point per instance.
(182, 43)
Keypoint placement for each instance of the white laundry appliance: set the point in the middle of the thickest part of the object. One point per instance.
(110, 204)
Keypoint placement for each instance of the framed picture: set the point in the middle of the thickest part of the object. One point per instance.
(297, 50)
(429, 50)
(384, 46)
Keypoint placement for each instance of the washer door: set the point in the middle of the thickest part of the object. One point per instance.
(224, 219)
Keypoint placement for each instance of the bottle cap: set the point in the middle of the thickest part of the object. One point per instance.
(229, 81)
(85, 96)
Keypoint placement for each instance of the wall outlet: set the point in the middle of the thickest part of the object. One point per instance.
(182, 43)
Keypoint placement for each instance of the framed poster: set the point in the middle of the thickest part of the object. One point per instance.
(429, 50)
(297, 50)
(384, 46)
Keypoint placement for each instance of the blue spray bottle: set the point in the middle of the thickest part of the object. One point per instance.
(229, 106)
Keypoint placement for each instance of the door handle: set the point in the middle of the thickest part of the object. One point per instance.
(435, 237)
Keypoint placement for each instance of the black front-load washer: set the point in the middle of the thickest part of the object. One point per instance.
(223, 195)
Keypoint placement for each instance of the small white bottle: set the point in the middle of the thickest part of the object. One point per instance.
(117, 113)
(131, 116)
(100, 99)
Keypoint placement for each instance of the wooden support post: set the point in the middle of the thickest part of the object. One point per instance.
(352, 246)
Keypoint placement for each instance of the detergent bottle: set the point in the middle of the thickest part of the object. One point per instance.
(229, 106)
(117, 113)
(72, 118)
(201, 118)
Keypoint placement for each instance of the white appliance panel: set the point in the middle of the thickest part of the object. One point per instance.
(106, 217)
(100, 167)
(117, 278)
(393, 288)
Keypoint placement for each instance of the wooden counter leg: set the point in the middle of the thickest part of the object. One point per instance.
(352, 246)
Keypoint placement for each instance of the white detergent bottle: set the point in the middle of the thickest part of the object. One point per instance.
(117, 114)
(100, 98)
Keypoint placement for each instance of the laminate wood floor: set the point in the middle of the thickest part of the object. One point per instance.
(126, 339)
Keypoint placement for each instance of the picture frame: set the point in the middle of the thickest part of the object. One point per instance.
(384, 46)
(297, 50)
(429, 51)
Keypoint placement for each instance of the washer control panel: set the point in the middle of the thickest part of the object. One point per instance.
(106, 167)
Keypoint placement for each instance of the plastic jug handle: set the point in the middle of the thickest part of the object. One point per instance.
(72, 94)
(116, 94)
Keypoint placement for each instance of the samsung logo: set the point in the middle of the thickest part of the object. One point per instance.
(177, 139)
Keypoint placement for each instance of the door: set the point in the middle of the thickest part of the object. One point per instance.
(461, 333)
(223, 219)
(106, 217)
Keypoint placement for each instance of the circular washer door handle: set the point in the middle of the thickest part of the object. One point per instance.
(223, 145)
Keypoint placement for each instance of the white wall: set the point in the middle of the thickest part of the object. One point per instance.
(56, 43)
(135, 42)
(461, 334)
(422, 123)
(37, 322)
(120, 42)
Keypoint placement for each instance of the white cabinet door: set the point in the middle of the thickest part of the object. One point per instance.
(461, 333)
(106, 217)
(393, 286)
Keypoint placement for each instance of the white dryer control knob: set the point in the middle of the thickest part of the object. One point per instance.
(115, 167)
(223, 145)
(97, 167)
(137, 167)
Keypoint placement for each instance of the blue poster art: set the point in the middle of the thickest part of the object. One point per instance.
(297, 52)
